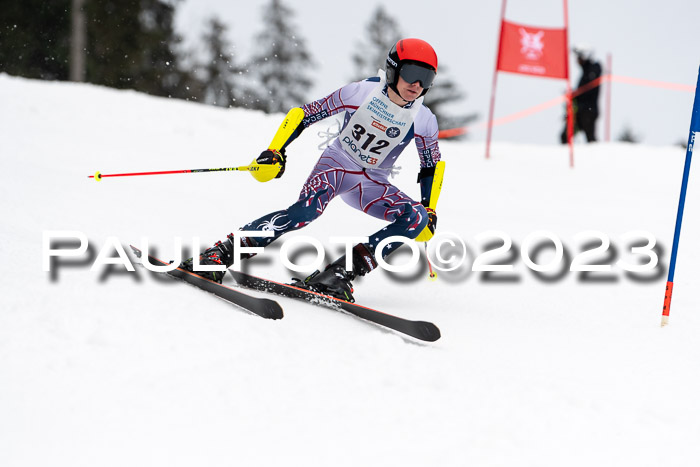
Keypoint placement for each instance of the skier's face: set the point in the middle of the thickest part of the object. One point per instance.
(409, 91)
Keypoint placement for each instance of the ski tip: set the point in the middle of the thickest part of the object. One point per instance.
(427, 331)
(272, 310)
(136, 251)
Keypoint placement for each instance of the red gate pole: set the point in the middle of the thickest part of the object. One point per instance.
(495, 79)
(569, 104)
(608, 92)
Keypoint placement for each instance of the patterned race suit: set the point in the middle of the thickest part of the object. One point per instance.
(338, 173)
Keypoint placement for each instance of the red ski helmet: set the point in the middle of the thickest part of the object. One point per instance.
(413, 60)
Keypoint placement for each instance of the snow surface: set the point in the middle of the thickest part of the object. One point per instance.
(115, 368)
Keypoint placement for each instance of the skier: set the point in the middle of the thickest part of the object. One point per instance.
(586, 103)
(382, 114)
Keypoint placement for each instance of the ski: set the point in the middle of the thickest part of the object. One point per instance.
(263, 307)
(422, 330)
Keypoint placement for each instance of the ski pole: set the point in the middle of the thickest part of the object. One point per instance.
(432, 274)
(243, 168)
(262, 173)
(426, 234)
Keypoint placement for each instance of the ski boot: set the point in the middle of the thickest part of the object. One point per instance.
(220, 253)
(335, 280)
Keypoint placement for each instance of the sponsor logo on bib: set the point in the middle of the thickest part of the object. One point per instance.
(378, 125)
(393, 132)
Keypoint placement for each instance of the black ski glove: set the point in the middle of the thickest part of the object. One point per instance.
(271, 157)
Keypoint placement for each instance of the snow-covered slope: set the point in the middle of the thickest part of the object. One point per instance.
(110, 368)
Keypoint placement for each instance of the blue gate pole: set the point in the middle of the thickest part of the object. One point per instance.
(693, 137)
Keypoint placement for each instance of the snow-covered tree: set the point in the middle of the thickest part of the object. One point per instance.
(281, 63)
(382, 32)
(221, 75)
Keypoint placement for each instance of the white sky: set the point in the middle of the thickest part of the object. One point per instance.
(647, 39)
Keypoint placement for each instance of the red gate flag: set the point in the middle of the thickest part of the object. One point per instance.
(533, 51)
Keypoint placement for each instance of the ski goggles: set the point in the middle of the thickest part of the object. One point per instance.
(411, 73)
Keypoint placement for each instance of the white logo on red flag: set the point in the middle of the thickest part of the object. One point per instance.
(531, 45)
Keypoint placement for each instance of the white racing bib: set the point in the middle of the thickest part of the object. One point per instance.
(377, 127)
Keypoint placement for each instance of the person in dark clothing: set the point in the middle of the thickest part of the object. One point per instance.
(585, 104)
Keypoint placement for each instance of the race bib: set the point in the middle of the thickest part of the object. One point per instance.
(377, 127)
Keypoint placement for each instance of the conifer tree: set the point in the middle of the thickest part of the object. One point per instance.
(382, 32)
(444, 93)
(131, 44)
(219, 84)
(35, 38)
(280, 66)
